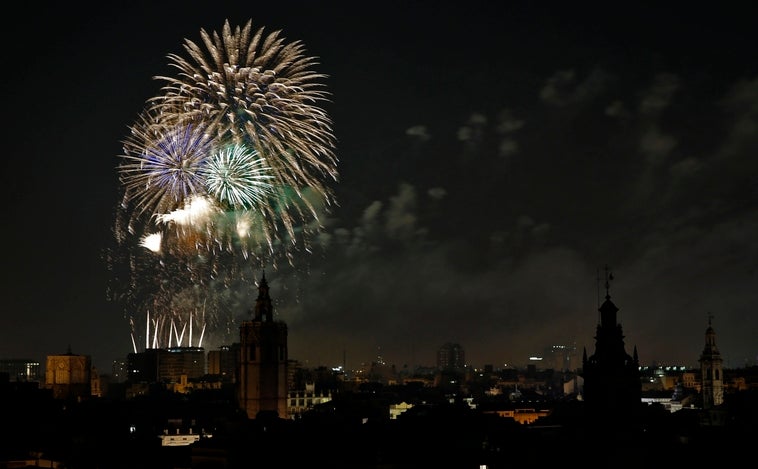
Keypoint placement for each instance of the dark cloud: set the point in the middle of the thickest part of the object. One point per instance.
(493, 160)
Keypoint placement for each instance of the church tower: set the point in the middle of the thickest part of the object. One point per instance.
(612, 386)
(711, 370)
(262, 385)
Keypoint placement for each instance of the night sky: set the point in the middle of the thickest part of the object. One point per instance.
(494, 157)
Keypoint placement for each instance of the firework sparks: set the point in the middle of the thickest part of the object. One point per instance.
(257, 91)
(162, 166)
(229, 164)
(238, 178)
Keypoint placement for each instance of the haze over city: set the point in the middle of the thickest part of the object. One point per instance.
(492, 159)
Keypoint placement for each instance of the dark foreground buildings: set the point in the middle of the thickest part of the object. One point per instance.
(243, 422)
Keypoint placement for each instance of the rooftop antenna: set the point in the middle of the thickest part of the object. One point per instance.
(608, 278)
(598, 289)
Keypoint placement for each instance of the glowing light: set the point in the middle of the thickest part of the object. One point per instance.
(225, 170)
(152, 242)
(257, 93)
(197, 211)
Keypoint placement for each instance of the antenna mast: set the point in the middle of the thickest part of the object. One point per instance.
(597, 279)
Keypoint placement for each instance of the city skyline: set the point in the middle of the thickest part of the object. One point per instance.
(493, 159)
(558, 357)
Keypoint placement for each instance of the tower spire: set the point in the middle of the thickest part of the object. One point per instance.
(264, 310)
(597, 284)
(262, 383)
(711, 369)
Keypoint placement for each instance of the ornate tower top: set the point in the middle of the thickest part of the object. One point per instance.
(608, 310)
(264, 309)
(710, 349)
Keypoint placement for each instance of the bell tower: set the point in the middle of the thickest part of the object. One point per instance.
(711, 370)
(262, 385)
(612, 386)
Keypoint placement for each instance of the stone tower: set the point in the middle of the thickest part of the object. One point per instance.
(262, 384)
(711, 370)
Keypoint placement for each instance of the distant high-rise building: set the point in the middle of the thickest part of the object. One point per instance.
(451, 356)
(612, 385)
(557, 358)
(560, 358)
(262, 384)
(174, 362)
(166, 365)
(711, 370)
(21, 369)
(223, 362)
(119, 370)
(142, 367)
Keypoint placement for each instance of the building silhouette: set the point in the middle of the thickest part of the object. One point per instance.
(166, 365)
(560, 357)
(142, 367)
(711, 370)
(451, 356)
(21, 369)
(612, 386)
(174, 362)
(262, 376)
(223, 362)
